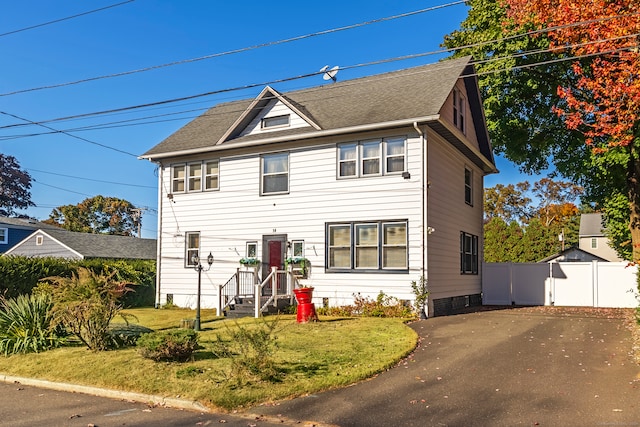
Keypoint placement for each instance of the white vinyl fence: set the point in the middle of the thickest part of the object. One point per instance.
(586, 284)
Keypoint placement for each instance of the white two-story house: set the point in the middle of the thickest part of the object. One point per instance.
(375, 181)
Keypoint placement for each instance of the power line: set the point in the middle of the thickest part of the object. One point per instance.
(240, 50)
(68, 134)
(395, 59)
(64, 19)
(497, 58)
(91, 179)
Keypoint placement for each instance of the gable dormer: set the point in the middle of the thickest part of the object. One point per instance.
(269, 112)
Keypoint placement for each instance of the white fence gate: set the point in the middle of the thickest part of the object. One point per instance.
(586, 284)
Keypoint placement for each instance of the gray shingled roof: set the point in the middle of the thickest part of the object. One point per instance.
(591, 225)
(25, 223)
(104, 245)
(412, 93)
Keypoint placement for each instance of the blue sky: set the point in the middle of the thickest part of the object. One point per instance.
(70, 167)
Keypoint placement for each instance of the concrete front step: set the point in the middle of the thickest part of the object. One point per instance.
(245, 307)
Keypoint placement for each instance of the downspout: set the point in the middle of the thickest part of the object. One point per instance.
(424, 271)
(159, 237)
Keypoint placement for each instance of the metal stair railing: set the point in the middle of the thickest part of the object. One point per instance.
(240, 284)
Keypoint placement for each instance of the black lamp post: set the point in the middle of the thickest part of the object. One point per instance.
(198, 266)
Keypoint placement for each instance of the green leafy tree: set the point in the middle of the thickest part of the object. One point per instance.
(99, 214)
(508, 202)
(15, 184)
(519, 91)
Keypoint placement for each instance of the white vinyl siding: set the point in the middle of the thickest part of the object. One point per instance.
(274, 113)
(448, 214)
(237, 214)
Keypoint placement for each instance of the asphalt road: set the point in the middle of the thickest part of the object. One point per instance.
(518, 367)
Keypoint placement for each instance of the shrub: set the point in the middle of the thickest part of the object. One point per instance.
(126, 335)
(173, 345)
(19, 275)
(251, 349)
(26, 325)
(85, 304)
(383, 306)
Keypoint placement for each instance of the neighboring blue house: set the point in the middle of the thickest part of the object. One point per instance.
(14, 230)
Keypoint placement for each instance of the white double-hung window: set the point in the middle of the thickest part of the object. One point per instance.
(195, 176)
(275, 173)
(374, 157)
(191, 247)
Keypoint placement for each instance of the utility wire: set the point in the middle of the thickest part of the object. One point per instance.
(69, 134)
(240, 50)
(400, 58)
(91, 179)
(64, 19)
(124, 123)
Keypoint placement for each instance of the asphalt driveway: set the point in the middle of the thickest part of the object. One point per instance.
(542, 366)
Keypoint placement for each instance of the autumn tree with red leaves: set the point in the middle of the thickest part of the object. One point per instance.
(604, 101)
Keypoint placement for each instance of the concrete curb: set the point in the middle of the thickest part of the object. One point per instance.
(170, 402)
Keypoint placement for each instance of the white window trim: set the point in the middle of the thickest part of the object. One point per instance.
(189, 250)
(362, 158)
(192, 178)
(4, 236)
(263, 175)
(39, 240)
(459, 110)
(295, 243)
(188, 178)
(265, 122)
(174, 179)
(359, 160)
(248, 251)
(468, 186)
(206, 175)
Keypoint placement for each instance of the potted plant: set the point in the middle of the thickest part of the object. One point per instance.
(303, 294)
(249, 262)
(421, 292)
(300, 266)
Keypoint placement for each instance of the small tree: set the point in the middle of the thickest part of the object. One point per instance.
(85, 303)
(421, 292)
(15, 184)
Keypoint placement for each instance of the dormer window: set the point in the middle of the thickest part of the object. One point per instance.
(275, 122)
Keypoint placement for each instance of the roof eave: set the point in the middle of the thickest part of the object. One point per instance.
(308, 135)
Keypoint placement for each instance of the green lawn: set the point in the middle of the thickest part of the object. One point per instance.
(310, 357)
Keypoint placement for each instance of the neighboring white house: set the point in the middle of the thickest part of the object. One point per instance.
(593, 239)
(376, 181)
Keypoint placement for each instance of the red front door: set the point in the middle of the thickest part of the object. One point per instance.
(275, 247)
